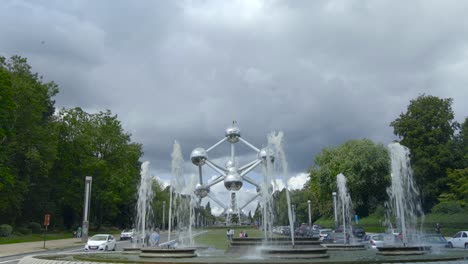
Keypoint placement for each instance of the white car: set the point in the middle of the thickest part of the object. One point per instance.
(103, 242)
(324, 233)
(127, 234)
(459, 240)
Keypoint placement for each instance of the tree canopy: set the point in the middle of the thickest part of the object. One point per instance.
(366, 167)
(427, 128)
(44, 156)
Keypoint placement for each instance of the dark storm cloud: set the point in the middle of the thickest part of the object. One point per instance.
(321, 71)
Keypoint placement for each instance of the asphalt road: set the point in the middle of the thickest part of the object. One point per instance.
(120, 245)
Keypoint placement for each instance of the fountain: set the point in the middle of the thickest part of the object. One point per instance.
(345, 211)
(185, 195)
(404, 204)
(144, 215)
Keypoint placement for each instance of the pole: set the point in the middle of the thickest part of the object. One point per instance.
(310, 216)
(45, 234)
(164, 216)
(334, 209)
(87, 199)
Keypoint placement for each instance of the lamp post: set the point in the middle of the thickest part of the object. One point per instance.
(310, 216)
(294, 215)
(164, 216)
(334, 209)
(87, 199)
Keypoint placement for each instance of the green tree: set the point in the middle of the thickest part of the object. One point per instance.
(28, 141)
(95, 145)
(427, 129)
(366, 167)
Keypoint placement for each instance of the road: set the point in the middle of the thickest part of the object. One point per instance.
(120, 245)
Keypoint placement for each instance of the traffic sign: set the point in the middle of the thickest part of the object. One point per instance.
(46, 219)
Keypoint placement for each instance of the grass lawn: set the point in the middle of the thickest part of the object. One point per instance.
(216, 237)
(33, 237)
(40, 237)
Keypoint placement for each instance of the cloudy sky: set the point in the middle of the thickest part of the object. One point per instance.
(323, 72)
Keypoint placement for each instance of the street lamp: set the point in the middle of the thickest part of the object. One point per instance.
(334, 209)
(310, 217)
(294, 214)
(87, 200)
(164, 216)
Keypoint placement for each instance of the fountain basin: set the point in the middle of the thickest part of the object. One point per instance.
(167, 253)
(402, 250)
(295, 253)
(344, 247)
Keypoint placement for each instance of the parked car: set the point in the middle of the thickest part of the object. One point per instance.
(324, 233)
(102, 242)
(358, 231)
(127, 234)
(459, 240)
(334, 238)
(433, 240)
(376, 240)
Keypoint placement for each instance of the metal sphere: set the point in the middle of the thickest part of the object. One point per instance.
(265, 153)
(233, 180)
(198, 156)
(201, 191)
(232, 164)
(233, 134)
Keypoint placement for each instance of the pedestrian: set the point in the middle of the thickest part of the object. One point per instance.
(232, 233)
(154, 238)
(228, 234)
(74, 234)
(241, 234)
(437, 228)
(79, 232)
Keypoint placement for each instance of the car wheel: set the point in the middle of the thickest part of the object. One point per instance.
(450, 245)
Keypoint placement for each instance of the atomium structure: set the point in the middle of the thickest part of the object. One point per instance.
(231, 174)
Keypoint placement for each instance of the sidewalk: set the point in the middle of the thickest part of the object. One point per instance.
(38, 246)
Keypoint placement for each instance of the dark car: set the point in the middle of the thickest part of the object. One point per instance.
(358, 232)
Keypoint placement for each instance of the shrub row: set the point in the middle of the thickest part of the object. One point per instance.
(33, 227)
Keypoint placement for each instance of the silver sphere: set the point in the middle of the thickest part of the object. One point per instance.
(233, 134)
(232, 164)
(233, 180)
(265, 153)
(201, 191)
(198, 156)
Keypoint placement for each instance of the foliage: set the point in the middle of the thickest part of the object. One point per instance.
(427, 129)
(366, 168)
(457, 183)
(23, 230)
(5, 230)
(35, 227)
(449, 207)
(45, 156)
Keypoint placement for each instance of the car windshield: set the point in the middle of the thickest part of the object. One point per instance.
(433, 239)
(98, 238)
(378, 237)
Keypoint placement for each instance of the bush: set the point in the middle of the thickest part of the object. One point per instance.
(35, 227)
(23, 230)
(450, 207)
(5, 230)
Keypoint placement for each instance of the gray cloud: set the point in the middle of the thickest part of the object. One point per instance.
(321, 71)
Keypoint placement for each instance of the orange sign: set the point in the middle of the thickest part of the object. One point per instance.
(46, 219)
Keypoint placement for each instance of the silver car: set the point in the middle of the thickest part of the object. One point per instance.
(376, 240)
